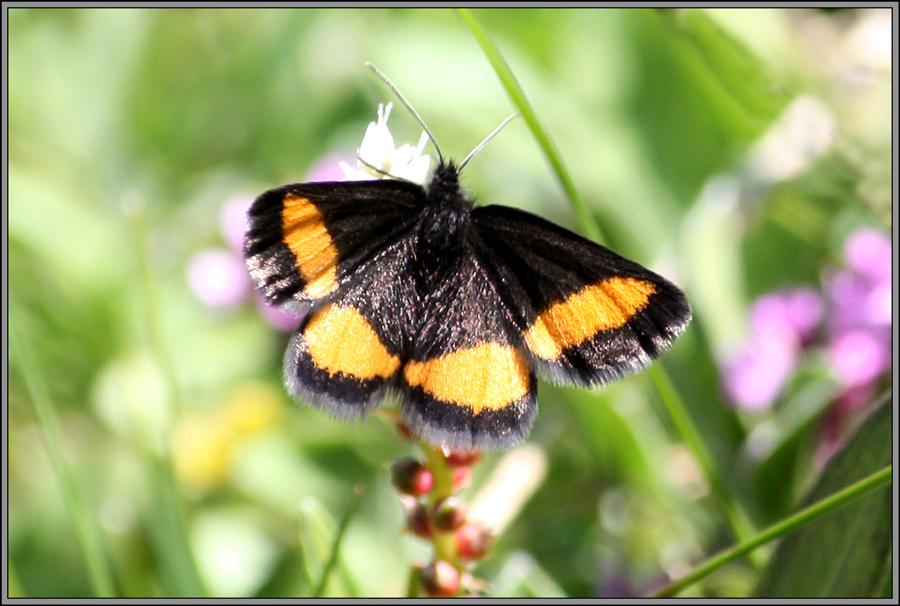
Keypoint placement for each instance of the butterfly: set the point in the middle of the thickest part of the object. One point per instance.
(455, 309)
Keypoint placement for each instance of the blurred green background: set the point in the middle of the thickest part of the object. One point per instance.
(131, 130)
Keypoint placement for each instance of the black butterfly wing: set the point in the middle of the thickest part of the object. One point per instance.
(304, 240)
(588, 315)
(467, 382)
(338, 254)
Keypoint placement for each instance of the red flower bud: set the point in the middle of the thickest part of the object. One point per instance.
(440, 579)
(462, 476)
(416, 517)
(458, 457)
(411, 477)
(473, 540)
(449, 514)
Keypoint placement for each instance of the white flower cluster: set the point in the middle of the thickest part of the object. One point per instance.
(379, 159)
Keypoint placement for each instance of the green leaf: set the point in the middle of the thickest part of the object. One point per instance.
(338, 538)
(734, 70)
(320, 542)
(517, 96)
(522, 577)
(316, 527)
(845, 554)
(697, 83)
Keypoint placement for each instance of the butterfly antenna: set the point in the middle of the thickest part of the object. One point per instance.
(408, 106)
(378, 170)
(486, 139)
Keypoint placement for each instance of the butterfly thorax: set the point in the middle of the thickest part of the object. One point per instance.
(442, 225)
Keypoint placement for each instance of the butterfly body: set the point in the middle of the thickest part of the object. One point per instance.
(454, 308)
(442, 227)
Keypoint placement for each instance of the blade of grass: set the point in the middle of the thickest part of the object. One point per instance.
(520, 101)
(412, 583)
(739, 521)
(171, 535)
(814, 511)
(355, 500)
(845, 554)
(87, 528)
(13, 586)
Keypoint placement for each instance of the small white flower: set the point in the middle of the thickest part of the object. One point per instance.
(377, 150)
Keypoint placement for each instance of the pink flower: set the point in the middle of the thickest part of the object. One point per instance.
(233, 222)
(857, 310)
(859, 356)
(868, 253)
(219, 278)
(328, 168)
(780, 323)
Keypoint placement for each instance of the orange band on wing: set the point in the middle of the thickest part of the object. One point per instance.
(304, 233)
(489, 376)
(603, 306)
(340, 339)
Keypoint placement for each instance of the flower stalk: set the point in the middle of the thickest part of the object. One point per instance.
(436, 513)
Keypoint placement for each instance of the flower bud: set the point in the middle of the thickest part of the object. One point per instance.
(462, 476)
(440, 579)
(411, 477)
(459, 457)
(403, 428)
(473, 540)
(449, 514)
(416, 517)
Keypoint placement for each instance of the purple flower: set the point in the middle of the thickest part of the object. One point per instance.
(780, 323)
(878, 305)
(858, 357)
(233, 222)
(857, 311)
(868, 253)
(796, 312)
(860, 304)
(847, 294)
(328, 168)
(279, 319)
(861, 297)
(219, 278)
(754, 377)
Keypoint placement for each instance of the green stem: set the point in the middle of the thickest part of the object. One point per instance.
(87, 529)
(355, 500)
(805, 516)
(173, 543)
(444, 542)
(412, 582)
(520, 101)
(740, 523)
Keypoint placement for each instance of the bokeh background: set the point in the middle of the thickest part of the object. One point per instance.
(744, 154)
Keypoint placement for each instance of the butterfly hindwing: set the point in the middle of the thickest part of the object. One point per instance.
(347, 354)
(587, 315)
(467, 382)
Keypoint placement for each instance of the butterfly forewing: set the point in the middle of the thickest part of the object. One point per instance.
(303, 241)
(587, 315)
